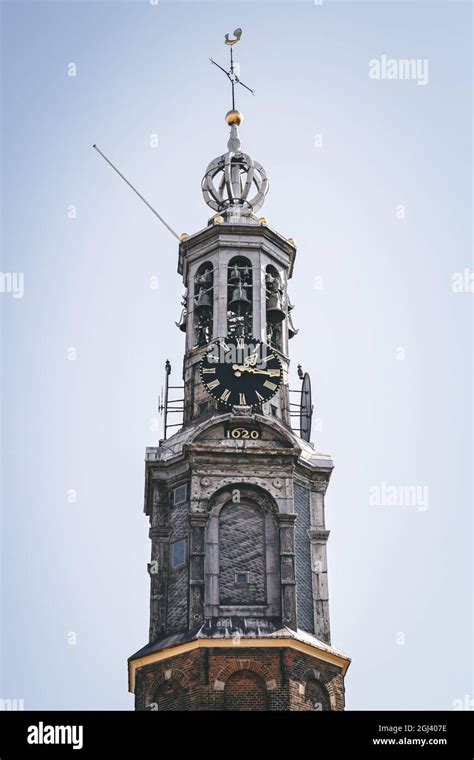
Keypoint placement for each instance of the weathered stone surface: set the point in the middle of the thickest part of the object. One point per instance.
(253, 522)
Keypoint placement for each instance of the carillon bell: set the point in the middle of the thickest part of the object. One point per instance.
(275, 312)
(240, 303)
(205, 278)
(234, 276)
(203, 304)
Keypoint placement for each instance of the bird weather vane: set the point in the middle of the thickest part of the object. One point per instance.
(230, 74)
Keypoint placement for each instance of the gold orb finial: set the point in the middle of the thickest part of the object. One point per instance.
(234, 117)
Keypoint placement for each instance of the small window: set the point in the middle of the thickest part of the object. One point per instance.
(179, 494)
(178, 553)
(242, 579)
(274, 410)
(203, 408)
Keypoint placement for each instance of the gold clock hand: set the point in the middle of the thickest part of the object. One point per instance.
(252, 359)
(243, 368)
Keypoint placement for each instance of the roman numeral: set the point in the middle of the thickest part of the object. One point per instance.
(274, 372)
(240, 342)
(271, 386)
(260, 398)
(210, 371)
(225, 395)
(213, 385)
(224, 345)
(242, 399)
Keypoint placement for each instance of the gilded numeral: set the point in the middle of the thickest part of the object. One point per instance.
(260, 398)
(209, 371)
(224, 345)
(213, 385)
(242, 399)
(240, 342)
(274, 372)
(224, 395)
(270, 386)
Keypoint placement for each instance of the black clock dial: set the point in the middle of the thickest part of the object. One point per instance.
(238, 371)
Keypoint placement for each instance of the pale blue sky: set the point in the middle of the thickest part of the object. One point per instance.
(84, 424)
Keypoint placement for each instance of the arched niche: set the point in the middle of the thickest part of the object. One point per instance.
(239, 297)
(243, 506)
(170, 695)
(203, 308)
(316, 696)
(274, 300)
(245, 690)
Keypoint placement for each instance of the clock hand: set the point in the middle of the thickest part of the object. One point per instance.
(252, 359)
(243, 368)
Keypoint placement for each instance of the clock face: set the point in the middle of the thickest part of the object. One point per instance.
(238, 371)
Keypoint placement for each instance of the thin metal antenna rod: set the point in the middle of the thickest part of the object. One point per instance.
(232, 78)
(139, 195)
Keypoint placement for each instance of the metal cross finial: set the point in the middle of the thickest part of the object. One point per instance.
(231, 75)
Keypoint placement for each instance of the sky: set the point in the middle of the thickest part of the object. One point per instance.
(372, 178)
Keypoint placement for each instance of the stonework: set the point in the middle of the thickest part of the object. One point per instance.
(239, 604)
(247, 679)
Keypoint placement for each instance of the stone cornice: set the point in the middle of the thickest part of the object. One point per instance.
(318, 534)
(222, 236)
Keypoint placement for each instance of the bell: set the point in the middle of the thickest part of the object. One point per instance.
(234, 276)
(203, 304)
(275, 312)
(240, 304)
(205, 278)
(182, 321)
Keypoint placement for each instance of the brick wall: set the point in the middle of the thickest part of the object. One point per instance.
(245, 690)
(239, 678)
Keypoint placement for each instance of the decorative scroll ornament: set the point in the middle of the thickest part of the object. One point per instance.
(235, 181)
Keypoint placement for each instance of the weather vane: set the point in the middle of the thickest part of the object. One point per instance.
(231, 75)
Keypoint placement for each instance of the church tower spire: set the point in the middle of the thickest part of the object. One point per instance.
(239, 613)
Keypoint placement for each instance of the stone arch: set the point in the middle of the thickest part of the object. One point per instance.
(172, 673)
(170, 691)
(203, 293)
(318, 692)
(234, 666)
(266, 602)
(240, 281)
(247, 492)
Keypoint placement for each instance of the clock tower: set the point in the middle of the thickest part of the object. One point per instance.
(239, 616)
